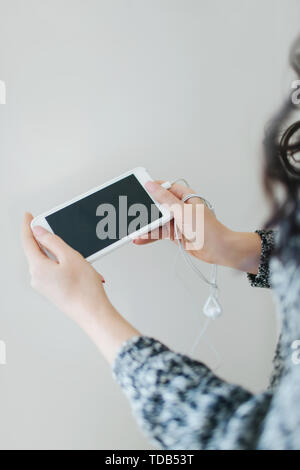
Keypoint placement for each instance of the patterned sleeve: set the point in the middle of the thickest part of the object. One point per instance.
(180, 404)
(261, 279)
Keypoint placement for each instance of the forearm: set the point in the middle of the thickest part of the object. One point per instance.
(240, 250)
(108, 330)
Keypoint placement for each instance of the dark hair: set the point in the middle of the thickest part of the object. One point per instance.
(281, 167)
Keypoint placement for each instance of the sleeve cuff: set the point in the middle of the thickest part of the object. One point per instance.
(133, 354)
(262, 278)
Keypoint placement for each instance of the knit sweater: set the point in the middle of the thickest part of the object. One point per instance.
(181, 404)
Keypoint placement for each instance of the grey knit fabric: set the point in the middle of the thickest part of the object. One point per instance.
(262, 278)
(181, 404)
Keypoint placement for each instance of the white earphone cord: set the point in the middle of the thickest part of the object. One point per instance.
(212, 307)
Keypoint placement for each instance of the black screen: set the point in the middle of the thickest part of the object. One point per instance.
(80, 223)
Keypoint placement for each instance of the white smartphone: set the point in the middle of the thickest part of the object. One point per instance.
(106, 217)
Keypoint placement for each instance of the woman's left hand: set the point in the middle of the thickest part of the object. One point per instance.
(71, 283)
(76, 288)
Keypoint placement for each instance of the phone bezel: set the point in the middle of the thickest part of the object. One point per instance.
(142, 176)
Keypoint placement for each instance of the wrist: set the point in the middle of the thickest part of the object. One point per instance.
(242, 250)
(92, 313)
(220, 246)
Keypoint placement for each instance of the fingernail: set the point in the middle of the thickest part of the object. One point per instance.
(39, 231)
(151, 186)
(103, 281)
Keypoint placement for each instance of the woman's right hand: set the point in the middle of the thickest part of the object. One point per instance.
(220, 245)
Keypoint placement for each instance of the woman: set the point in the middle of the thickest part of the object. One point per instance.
(179, 402)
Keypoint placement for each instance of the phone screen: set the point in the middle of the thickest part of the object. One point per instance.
(105, 217)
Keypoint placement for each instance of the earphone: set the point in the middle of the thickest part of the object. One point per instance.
(212, 307)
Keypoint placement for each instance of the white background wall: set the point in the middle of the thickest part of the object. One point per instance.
(94, 88)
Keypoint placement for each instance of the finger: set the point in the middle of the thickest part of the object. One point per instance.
(164, 196)
(149, 237)
(144, 241)
(52, 243)
(168, 200)
(55, 245)
(31, 248)
(181, 211)
(181, 191)
(178, 189)
(161, 233)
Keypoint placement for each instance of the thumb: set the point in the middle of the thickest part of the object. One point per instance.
(51, 242)
(184, 214)
(165, 197)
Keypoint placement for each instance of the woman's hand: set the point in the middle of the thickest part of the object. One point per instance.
(75, 287)
(70, 283)
(220, 246)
